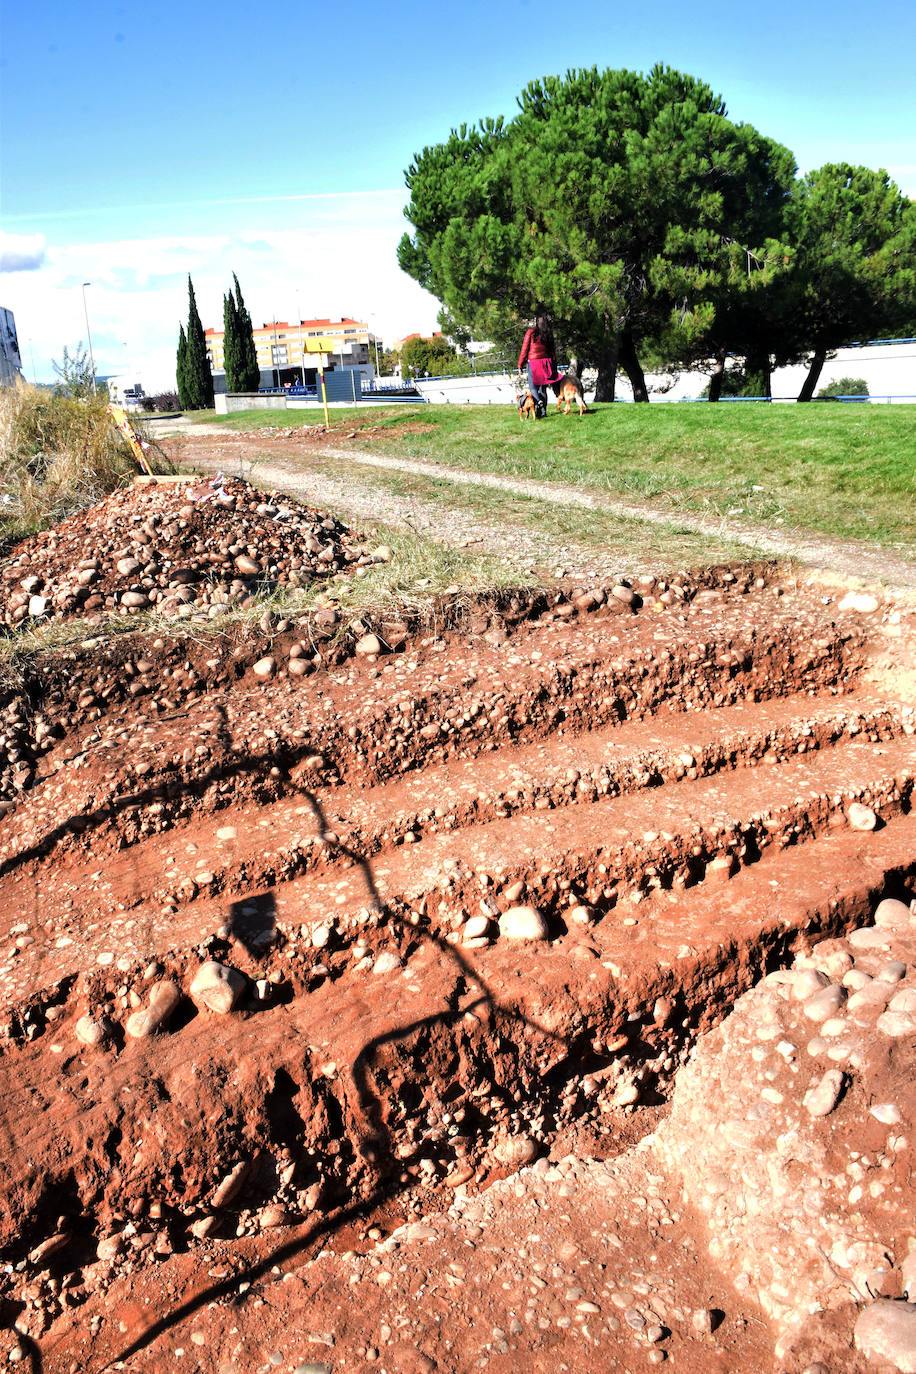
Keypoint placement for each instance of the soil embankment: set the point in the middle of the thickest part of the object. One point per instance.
(507, 990)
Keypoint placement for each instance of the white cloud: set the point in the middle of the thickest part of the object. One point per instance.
(340, 259)
(21, 252)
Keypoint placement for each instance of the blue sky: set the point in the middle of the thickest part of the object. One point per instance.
(138, 144)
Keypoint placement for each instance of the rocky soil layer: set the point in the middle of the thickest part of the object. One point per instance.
(182, 549)
(364, 980)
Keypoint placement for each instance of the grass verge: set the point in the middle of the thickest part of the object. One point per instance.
(843, 470)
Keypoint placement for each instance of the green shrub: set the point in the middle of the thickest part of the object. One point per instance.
(845, 386)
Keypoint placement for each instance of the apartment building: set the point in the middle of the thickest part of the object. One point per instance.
(287, 349)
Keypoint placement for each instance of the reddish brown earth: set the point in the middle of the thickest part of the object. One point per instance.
(486, 897)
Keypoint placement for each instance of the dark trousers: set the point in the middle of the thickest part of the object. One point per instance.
(538, 392)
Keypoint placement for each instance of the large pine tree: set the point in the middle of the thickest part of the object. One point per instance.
(249, 370)
(198, 379)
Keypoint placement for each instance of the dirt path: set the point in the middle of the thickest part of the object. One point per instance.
(846, 559)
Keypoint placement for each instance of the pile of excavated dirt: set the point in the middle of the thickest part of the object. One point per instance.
(511, 992)
(181, 549)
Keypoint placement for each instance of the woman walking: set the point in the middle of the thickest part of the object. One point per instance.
(538, 353)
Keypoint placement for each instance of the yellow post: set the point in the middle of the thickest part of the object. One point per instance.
(119, 416)
(324, 397)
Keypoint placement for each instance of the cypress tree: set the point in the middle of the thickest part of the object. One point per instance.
(181, 369)
(232, 345)
(199, 376)
(249, 367)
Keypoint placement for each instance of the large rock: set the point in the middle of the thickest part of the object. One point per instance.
(523, 923)
(217, 987)
(789, 1131)
(886, 1334)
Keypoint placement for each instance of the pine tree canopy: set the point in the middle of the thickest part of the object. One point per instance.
(638, 215)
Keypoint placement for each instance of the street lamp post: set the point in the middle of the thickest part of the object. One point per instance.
(88, 335)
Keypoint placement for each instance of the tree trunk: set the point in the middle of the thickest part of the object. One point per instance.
(757, 369)
(718, 373)
(814, 373)
(631, 366)
(607, 373)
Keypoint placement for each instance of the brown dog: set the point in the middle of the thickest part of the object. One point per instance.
(569, 391)
(527, 407)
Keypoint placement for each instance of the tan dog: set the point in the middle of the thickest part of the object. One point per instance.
(527, 407)
(569, 391)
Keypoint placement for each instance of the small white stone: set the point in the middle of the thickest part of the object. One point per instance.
(90, 1031)
(896, 1024)
(821, 1099)
(476, 926)
(863, 602)
(892, 913)
(806, 982)
(861, 817)
(825, 1003)
(387, 962)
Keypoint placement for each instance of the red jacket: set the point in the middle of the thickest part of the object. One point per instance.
(532, 347)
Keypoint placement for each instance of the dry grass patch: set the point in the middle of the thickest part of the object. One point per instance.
(57, 455)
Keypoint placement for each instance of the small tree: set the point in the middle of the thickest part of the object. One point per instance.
(198, 379)
(249, 378)
(232, 360)
(181, 369)
(75, 374)
(436, 356)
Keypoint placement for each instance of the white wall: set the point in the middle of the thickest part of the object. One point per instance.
(889, 370)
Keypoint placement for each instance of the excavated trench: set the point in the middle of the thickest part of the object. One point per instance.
(285, 950)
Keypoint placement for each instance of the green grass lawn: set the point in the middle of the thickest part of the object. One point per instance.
(847, 470)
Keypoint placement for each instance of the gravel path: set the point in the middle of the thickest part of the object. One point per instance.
(847, 559)
(522, 549)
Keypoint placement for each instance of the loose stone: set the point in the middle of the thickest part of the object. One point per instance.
(90, 1031)
(217, 987)
(821, 1099)
(861, 817)
(523, 923)
(885, 1332)
(825, 1003)
(863, 602)
(890, 912)
(164, 998)
(887, 1113)
(896, 1024)
(387, 962)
